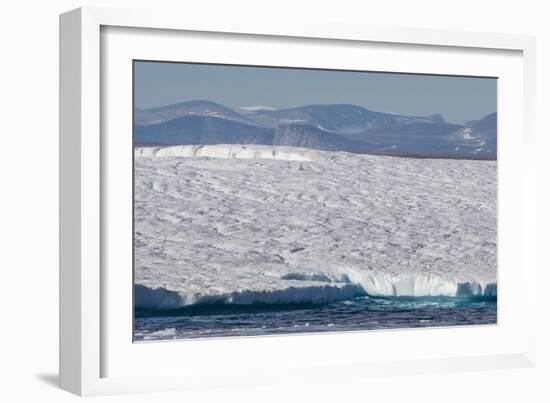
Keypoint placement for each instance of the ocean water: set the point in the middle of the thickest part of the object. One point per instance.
(364, 313)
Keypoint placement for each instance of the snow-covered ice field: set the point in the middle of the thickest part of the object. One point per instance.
(236, 224)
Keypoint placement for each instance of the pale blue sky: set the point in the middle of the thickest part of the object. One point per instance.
(458, 99)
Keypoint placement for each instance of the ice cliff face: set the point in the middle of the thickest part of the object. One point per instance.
(229, 151)
(243, 224)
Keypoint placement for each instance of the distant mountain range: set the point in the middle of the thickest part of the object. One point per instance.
(339, 127)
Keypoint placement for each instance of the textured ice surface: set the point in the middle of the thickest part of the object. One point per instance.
(243, 224)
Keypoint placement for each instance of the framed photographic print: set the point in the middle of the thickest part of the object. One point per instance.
(256, 195)
(267, 218)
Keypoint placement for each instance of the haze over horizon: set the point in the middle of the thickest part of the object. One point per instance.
(457, 99)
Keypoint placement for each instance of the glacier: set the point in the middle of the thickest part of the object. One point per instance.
(242, 224)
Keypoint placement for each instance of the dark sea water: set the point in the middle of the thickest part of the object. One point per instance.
(363, 313)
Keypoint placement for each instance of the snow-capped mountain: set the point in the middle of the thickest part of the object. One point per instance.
(418, 139)
(196, 129)
(326, 127)
(479, 136)
(312, 137)
(336, 117)
(255, 108)
(145, 117)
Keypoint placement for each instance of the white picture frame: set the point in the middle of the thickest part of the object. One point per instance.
(90, 343)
